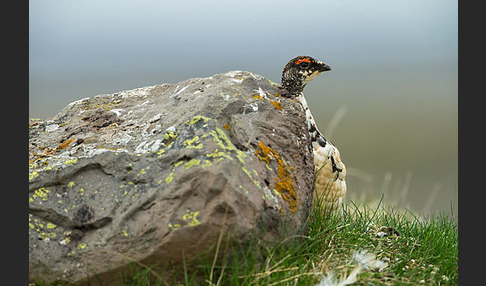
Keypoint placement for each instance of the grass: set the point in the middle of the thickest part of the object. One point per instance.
(360, 246)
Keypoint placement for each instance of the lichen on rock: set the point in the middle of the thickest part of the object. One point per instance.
(146, 173)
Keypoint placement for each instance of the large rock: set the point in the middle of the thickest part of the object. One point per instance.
(147, 174)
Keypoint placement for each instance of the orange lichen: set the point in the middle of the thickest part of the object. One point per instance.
(227, 127)
(265, 153)
(277, 105)
(48, 152)
(64, 144)
(257, 96)
(284, 183)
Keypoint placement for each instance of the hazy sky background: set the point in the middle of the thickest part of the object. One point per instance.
(394, 71)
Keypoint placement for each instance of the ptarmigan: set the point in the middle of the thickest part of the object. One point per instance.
(330, 185)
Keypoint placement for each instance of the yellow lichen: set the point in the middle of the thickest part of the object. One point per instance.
(218, 153)
(160, 152)
(169, 178)
(71, 161)
(273, 83)
(284, 183)
(221, 139)
(33, 175)
(240, 155)
(192, 163)
(51, 225)
(40, 193)
(71, 184)
(174, 226)
(191, 217)
(169, 134)
(191, 143)
(207, 163)
(195, 119)
(47, 235)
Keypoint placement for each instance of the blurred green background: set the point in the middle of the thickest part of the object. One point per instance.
(389, 103)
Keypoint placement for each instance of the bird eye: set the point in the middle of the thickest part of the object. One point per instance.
(304, 65)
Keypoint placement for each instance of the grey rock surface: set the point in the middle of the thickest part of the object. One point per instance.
(143, 174)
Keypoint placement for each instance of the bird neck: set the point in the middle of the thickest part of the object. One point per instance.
(294, 87)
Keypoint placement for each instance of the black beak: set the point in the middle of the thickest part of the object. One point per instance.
(324, 67)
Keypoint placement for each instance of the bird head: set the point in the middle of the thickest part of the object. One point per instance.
(299, 71)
